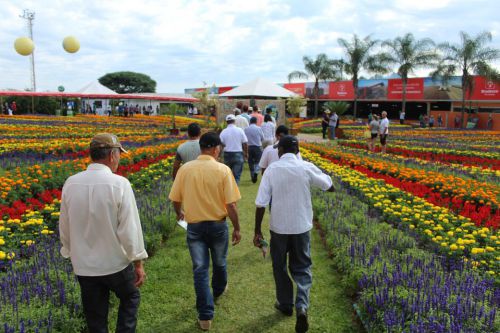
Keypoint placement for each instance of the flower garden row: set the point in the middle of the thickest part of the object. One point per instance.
(38, 291)
(426, 270)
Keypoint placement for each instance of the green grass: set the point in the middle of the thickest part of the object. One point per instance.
(168, 298)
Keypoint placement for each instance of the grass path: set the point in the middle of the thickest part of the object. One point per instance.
(168, 299)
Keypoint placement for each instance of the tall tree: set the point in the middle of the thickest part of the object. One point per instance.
(322, 69)
(410, 54)
(470, 57)
(359, 57)
(128, 82)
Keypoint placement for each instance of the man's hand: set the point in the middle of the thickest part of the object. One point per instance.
(257, 239)
(140, 274)
(180, 216)
(236, 237)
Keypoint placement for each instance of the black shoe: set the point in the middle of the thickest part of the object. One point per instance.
(286, 311)
(302, 324)
(254, 178)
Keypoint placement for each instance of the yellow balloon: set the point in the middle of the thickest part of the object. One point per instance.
(24, 46)
(71, 44)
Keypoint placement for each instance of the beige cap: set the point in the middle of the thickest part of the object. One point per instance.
(106, 140)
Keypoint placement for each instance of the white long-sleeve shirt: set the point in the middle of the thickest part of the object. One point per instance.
(288, 182)
(99, 225)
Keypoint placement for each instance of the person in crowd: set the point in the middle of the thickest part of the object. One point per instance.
(13, 107)
(384, 131)
(235, 145)
(458, 121)
(239, 106)
(245, 113)
(255, 137)
(270, 154)
(209, 194)
(240, 121)
(269, 112)
(489, 122)
(325, 121)
(268, 128)
(421, 121)
(189, 150)
(332, 124)
(370, 117)
(101, 232)
(257, 114)
(288, 182)
(374, 129)
(190, 111)
(108, 110)
(431, 121)
(402, 115)
(440, 120)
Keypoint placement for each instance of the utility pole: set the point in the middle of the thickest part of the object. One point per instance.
(29, 16)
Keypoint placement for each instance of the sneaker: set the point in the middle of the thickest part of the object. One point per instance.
(302, 324)
(254, 177)
(205, 324)
(286, 311)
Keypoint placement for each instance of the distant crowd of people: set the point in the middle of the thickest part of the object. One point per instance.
(9, 109)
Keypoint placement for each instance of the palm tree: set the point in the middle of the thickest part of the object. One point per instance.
(359, 57)
(410, 54)
(471, 57)
(321, 69)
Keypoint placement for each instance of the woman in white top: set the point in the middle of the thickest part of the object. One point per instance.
(268, 128)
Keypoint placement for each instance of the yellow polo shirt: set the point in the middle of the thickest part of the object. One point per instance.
(204, 186)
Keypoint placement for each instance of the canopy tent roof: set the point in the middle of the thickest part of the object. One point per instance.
(259, 88)
(95, 87)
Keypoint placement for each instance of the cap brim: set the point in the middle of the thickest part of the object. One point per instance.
(123, 150)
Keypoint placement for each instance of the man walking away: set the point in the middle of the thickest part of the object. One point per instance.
(208, 192)
(332, 123)
(240, 121)
(384, 131)
(101, 232)
(255, 137)
(189, 150)
(235, 147)
(288, 182)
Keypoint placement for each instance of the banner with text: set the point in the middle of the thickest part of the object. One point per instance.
(343, 90)
(414, 89)
(485, 89)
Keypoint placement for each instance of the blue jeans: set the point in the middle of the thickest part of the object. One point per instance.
(205, 240)
(298, 250)
(254, 155)
(235, 161)
(332, 132)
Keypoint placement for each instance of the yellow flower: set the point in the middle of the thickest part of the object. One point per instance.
(450, 233)
(453, 247)
(2, 255)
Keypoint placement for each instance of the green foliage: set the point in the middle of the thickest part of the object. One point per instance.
(295, 104)
(128, 82)
(339, 107)
(43, 105)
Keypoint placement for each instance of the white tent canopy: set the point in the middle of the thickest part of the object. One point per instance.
(95, 88)
(259, 88)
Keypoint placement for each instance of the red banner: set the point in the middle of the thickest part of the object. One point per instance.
(343, 90)
(298, 88)
(414, 89)
(485, 89)
(224, 89)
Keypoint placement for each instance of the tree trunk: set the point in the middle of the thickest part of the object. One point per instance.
(403, 107)
(355, 87)
(464, 89)
(316, 96)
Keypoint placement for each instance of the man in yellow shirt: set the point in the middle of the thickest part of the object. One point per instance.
(208, 192)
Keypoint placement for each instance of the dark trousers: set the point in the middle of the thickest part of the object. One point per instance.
(95, 299)
(254, 155)
(298, 250)
(324, 130)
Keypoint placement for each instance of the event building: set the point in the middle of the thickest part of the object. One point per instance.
(424, 96)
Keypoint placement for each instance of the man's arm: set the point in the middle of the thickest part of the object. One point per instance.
(177, 165)
(259, 216)
(245, 150)
(178, 210)
(64, 230)
(232, 211)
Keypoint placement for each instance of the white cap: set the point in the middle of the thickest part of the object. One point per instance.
(230, 117)
(250, 108)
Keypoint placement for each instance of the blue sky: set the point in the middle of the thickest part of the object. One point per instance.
(183, 43)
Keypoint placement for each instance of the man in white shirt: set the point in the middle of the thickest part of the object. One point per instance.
(384, 131)
(332, 124)
(288, 182)
(235, 145)
(240, 121)
(270, 153)
(101, 232)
